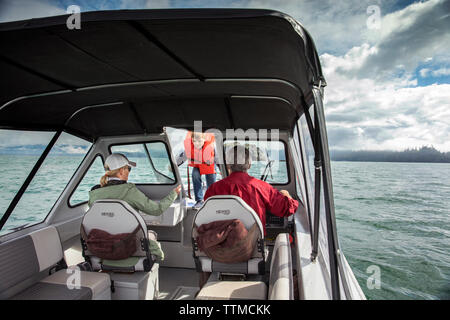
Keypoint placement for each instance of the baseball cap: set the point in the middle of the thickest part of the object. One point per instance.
(118, 160)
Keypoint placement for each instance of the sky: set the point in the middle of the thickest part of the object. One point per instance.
(386, 63)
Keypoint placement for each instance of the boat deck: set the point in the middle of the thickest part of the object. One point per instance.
(177, 283)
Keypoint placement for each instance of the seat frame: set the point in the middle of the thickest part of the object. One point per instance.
(144, 249)
(260, 246)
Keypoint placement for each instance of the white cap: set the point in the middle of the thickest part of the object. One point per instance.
(118, 160)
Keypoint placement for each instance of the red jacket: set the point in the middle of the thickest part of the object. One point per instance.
(259, 195)
(203, 159)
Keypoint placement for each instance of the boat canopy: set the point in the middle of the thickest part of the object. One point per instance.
(136, 71)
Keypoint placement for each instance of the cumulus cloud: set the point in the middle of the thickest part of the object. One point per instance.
(393, 114)
(73, 149)
(426, 72)
(373, 98)
(11, 10)
(407, 37)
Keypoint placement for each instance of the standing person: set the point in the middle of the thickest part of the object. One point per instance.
(200, 152)
(258, 194)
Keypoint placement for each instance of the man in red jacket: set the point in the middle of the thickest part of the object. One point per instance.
(258, 194)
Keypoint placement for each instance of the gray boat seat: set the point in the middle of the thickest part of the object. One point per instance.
(226, 207)
(233, 290)
(115, 217)
(281, 285)
(25, 265)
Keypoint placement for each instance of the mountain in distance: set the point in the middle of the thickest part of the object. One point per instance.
(37, 149)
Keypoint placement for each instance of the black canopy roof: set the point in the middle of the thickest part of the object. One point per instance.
(134, 71)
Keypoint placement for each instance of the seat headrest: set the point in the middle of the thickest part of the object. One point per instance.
(113, 216)
(47, 246)
(227, 207)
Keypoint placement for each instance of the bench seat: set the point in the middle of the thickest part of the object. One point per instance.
(92, 286)
(27, 267)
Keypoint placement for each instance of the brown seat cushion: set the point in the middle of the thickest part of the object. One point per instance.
(241, 249)
(112, 247)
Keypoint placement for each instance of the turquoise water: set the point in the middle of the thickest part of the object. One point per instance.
(391, 215)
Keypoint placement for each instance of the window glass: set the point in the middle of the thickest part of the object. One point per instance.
(48, 183)
(268, 160)
(152, 162)
(177, 137)
(308, 154)
(299, 178)
(19, 151)
(92, 178)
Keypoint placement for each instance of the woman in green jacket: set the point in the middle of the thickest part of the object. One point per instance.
(114, 185)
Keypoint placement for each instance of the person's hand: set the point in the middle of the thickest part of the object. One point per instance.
(178, 189)
(169, 167)
(285, 193)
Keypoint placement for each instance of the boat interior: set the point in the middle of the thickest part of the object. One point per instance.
(130, 81)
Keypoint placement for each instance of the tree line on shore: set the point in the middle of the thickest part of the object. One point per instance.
(423, 154)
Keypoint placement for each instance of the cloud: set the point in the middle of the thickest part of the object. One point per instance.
(425, 72)
(73, 149)
(373, 99)
(12, 10)
(21, 138)
(408, 37)
(392, 114)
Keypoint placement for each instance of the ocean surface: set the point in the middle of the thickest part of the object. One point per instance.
(395, 216)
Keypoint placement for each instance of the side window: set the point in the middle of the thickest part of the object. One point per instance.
(159, 159)
(91, 179)
(48, 183)
(268, 160)
(308, 153)
(19, 151)
(152, 162)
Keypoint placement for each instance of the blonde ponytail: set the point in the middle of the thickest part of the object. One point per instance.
(108, 173)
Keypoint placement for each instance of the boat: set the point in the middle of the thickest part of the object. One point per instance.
(126, 78)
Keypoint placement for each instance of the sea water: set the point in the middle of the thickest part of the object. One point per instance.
(391, 216)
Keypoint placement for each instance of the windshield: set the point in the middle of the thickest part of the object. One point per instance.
(268, 160)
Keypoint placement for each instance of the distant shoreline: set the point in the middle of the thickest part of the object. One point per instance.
(377, 161)
(422, 155)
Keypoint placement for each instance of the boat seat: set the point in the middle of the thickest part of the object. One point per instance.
(115, 217)
(233, 290)
(281, 285)
(280, 282)
(25, 265)
(218, 208)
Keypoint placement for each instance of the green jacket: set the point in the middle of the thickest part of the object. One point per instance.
(134, 197)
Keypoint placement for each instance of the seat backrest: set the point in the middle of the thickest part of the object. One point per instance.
(27, 260)
(218, 208)
(281, 285)
(227, 207)
(114, 217)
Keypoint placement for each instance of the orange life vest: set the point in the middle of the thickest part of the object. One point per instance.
(203, 159)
